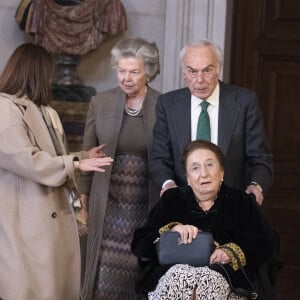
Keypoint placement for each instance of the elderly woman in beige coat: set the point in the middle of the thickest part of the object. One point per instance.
(39, 252)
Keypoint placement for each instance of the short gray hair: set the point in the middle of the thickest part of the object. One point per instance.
(203, 43)
(138, 48)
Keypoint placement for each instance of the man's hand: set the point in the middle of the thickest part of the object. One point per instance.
(257, 191)
(169, 185)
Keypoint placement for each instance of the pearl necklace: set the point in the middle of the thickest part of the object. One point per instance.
(134, 112)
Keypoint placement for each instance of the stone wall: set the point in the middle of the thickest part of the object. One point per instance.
(168, 23)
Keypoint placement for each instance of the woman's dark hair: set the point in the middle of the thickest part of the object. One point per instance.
(28, 73)
(202, 144)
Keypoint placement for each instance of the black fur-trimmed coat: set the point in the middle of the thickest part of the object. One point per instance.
(234, 217)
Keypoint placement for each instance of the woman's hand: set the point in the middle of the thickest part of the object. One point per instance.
(96, 152)
(82, 213)
(220, 256)
(187, 232)
(93, 164)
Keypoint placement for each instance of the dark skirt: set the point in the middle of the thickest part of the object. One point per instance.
(127, 209)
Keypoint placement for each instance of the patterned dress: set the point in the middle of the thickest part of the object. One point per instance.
(127, 209)
(180, 280)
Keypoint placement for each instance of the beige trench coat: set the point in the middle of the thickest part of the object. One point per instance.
(103, 124)
(39, 245)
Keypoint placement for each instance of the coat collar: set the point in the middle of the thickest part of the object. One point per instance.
(109, 115)
(33, 119)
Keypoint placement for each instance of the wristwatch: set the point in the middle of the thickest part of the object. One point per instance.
(257, 186)
(76, 163)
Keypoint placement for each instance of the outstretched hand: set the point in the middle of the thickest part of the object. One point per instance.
(94, 164)
(96, 152)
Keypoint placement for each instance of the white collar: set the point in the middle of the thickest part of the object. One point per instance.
(213, 99)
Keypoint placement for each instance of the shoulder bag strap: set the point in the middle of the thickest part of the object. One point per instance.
(249, 294)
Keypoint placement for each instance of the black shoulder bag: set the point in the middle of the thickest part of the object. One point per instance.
(249, 294)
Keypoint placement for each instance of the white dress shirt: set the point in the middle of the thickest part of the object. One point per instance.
(213, 111)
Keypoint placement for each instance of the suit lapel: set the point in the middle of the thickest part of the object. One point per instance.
(181, 114)
(229, 109)
(112, 112)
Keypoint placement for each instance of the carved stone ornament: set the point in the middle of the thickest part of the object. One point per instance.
(70, 29)
(62, 28)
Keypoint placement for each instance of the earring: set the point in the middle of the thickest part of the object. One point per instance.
(221, 183)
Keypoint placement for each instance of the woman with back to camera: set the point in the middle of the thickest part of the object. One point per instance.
(121, 118)
(206, 204)
(39, 253)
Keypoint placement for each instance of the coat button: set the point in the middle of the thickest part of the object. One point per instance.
(54, 215)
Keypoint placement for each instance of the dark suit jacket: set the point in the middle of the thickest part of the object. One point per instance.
(241, 137)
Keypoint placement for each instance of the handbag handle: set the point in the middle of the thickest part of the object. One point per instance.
(249, 294)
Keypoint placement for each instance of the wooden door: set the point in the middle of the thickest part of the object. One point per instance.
(266, 58)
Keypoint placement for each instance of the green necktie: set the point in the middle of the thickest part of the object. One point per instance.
(203, 128)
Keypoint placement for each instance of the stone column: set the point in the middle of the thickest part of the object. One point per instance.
(189, 21)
